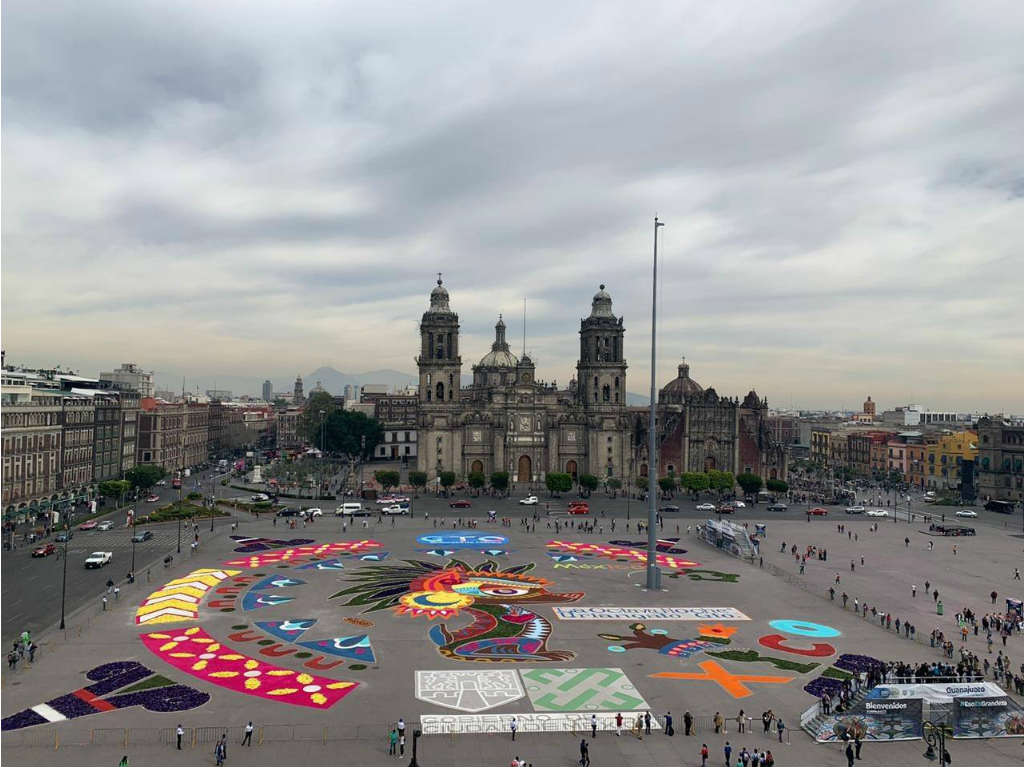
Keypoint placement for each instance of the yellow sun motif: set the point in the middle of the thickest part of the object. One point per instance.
(433, 604)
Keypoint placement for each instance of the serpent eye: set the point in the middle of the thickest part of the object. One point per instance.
(503, 591)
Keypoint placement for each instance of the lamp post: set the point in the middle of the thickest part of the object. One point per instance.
(64, 577)
(132, 528)
(653, 573)
(935, 735)
(323, 450)
(415, 737)
(178, 515)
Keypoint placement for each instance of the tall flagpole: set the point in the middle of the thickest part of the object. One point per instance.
(653, 573)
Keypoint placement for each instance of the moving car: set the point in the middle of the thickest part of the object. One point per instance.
(878, 513)
(726, 508)
(817, 511)
(579, 507)
(142, 535)
(105, 525)
(528, 501)
(967, 513)
(395, 509)
(152, 498)
(289, 513)
(705, 507)
(855, 509)
(45, 550)
(777, 507)
(351, 510)
(90, 525)
(314, 512)
(461, 503)
(259, 497)
(162, 483)
(66, 535)
(669, 509)
(98, 559)
(739, 504)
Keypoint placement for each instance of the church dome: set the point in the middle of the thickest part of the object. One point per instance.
(601, 306)
(499, 356)
(439, 298)
(681, 388)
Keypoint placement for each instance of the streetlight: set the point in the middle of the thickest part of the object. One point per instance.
(132, 528)
(415, 737)
(179, 518)
(935, 735)
(323, 449)
(64, 578)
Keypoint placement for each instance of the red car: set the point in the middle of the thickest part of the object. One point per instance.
(818, 512)
(579, 507)
(462, 503)
(90, 525)
(45, 550)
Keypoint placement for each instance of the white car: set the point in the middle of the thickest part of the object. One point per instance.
(312, 513)
(705, 507)
(855, 509)
(105, 525)
(739, 504)
(394, 509)
(530, 501)
(98, 559)
(878, 513)
(259, 497)
(967, 513)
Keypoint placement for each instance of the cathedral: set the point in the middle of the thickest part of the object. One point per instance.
(507, 420)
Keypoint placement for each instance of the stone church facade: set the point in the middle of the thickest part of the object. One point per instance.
(507, 420)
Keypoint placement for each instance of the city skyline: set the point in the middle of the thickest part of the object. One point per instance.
(207, 204)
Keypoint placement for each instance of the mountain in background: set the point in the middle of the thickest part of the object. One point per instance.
(634, 400)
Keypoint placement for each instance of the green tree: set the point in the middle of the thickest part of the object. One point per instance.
(613, 484)
(722, 481)
(418, 479)
(694, 481)
(476, 480)
(499, 481)
(447, 479)
(589, 483)
(640, 483)
(114, 488)
(558, 482)
(667, 484)
(387, 478)
(750, 483)
(311, 420)
(776, 485)
(145, 475)
(346, 431)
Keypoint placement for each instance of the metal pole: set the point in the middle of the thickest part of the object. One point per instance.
(64, 579)
(653, 573)
(415, 737)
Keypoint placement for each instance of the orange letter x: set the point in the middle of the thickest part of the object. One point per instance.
(731, 683)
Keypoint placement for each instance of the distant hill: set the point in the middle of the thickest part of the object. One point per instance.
(633, 400)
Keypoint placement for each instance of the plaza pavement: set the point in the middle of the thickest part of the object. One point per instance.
(357, 725)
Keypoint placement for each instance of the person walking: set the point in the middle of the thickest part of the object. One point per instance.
(584, 753)
(618, 724)
(728, 754)
(849, 754)
(913, 591)
(221, 750)
(513, 726)
(781, 727)
(401, 745)
(247, 738)
(717, 720)
(668, 724)
(856, 747)
(393, 742)
(704, 755)
(179, 732)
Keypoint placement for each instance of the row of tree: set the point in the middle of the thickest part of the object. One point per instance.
(326, 425)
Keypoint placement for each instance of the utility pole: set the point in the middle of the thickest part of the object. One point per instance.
(653, 573)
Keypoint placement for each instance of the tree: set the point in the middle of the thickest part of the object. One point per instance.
(499, 481)
(557, 482)
(667, 484)
(114, 488)
(694, 481)
(613, 484)
(346, 430)
(387, 478)
(640, 483)
(447, 479)
(145, 475)
(310, 421)
(722, 481)
(476, 479)
(776, 485)
(418, 479)
(750, 483)
(589, 483)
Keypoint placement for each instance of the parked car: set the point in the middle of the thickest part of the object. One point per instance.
(152, 498)
(528, 501)
(63, 536)
(351, 509)
(580, 508)
(45, 550)
(777, 507)
(669, 509)
(726, 508)
(705, 507)
(817, 511)
(289, 513)
(967, 513)
(878, 513)
(739, 504)
(259, 497)
(98, 559)
(395, 509)
(142, 535)
(92, 524)
(855, 509)
(105, 525)
(162, 483)
(461, 503)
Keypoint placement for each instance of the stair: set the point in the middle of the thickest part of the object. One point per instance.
(811, 727)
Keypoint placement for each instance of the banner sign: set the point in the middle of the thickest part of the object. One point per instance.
(893, 719)
(649, 614)
(994, 717)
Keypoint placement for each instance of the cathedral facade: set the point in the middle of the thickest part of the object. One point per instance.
(507, 420)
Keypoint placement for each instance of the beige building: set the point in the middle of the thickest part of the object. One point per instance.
(32, 450)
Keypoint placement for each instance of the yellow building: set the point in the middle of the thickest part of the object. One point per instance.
(944, 458)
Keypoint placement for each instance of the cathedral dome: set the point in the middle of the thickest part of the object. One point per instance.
(439, 298)
(499, 356)
(601, 306)
(681, 388)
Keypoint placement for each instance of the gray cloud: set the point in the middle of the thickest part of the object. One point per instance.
(259, 189)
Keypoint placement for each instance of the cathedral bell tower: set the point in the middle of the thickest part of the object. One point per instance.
(601, 370)
(440, 365)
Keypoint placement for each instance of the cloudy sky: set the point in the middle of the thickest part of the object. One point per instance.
(260, 189)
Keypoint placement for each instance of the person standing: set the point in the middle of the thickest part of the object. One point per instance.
(593, 726)
(668, 724)
(728, 754)
(687, 723)
(179, 732)
(393, 742)
(704, 755)
(221, 750)
(513, 726)
(618, 724)
(781, 727)
(401, 745)
(740, 723)
(718, 722)
(647, 723)
(849, 754)
(247, 738)
(856, 747)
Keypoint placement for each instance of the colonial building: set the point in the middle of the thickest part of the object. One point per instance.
(507, 420)
(1001, 459)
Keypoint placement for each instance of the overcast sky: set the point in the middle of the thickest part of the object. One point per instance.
(259, 189)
